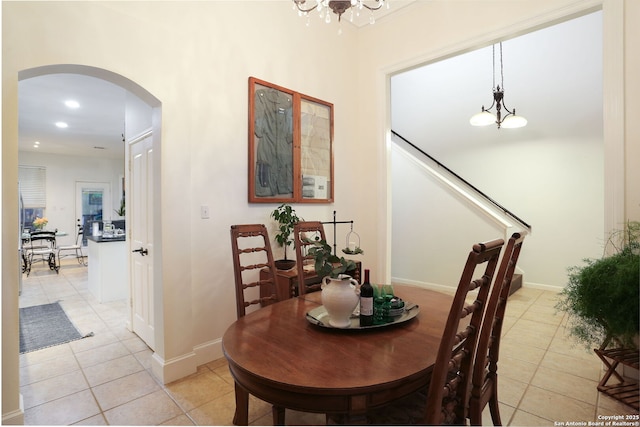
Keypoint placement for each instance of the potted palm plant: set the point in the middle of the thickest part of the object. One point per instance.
(286, 218)
(601, 297)
(121, 210)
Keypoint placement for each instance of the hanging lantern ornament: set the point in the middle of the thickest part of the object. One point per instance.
(486, 117)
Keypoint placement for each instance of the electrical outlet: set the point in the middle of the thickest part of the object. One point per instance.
(204, 212)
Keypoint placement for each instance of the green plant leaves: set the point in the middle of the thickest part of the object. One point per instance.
(602, 296)
(326, 263)
(286, 216)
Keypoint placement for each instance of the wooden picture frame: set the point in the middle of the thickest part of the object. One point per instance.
(290, 146)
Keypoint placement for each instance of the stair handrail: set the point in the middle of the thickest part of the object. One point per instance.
(467, 183)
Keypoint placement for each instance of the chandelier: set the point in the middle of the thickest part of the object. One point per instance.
(325, 7)
(485, 117)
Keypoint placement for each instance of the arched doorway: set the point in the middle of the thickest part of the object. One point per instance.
(140, 118)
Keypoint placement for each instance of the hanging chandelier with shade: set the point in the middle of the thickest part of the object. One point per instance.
(485, 117)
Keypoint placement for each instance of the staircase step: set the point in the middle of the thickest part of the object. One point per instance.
(516, 283)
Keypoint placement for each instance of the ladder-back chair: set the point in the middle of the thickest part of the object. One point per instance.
(252, 254)
(485, 376)
(304, 231)
(447, 393)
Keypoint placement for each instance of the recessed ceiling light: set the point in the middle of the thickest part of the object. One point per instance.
(37, 143)
(62, 125)
(71, 103)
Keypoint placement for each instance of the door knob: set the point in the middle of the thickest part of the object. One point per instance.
(142, 251)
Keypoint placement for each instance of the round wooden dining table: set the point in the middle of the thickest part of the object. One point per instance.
(277, 355)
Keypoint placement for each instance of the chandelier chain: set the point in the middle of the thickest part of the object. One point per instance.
(494, 67)
(501, 69)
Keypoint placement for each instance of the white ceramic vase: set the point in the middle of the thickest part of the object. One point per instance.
(340, 297)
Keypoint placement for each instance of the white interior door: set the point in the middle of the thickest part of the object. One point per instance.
(140, 232)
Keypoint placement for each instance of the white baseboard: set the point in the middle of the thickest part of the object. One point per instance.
(426, 285)
(541, 286)
(451, 290)
(187, 364)
(174, 369)
(208, 352)
(14, 418)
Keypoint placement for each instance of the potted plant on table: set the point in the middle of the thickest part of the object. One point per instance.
(602, 296)
(326, 263)
(40, 223)
(287, 218)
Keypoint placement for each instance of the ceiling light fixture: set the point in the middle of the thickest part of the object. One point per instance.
(325, 7)
(485, 118)
(72, 104)
(62, 125)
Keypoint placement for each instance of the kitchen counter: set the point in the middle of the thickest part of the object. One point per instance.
(108, 268)
(102, 239)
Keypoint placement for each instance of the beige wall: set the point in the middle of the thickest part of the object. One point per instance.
(195, 57)
(632, 110)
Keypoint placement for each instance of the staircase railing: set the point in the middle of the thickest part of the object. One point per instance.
(470, 186)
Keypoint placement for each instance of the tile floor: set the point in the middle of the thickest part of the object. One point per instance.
(105, 379)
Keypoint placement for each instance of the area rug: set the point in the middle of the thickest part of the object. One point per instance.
(44, 326)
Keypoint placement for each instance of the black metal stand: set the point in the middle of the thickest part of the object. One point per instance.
(335, 223)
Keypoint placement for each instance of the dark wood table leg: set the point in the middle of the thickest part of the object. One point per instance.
(241, 417)
(278, 415)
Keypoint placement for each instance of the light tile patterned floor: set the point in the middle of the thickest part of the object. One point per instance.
(105, 379)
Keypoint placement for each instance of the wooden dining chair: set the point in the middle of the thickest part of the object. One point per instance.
(484, 380)
(303, 230)
(254, 271)
(447, 394)
(251, 249)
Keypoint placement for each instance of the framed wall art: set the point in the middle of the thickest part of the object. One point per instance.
(290, 146)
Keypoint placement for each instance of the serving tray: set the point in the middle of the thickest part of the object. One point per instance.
(319, 316)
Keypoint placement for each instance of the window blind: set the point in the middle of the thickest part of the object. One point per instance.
(33, 181)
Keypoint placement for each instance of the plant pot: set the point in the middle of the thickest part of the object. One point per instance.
(285, 264)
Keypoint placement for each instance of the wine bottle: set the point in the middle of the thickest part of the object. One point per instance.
(366, 301)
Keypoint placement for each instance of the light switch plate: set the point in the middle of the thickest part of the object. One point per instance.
(204, 212)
